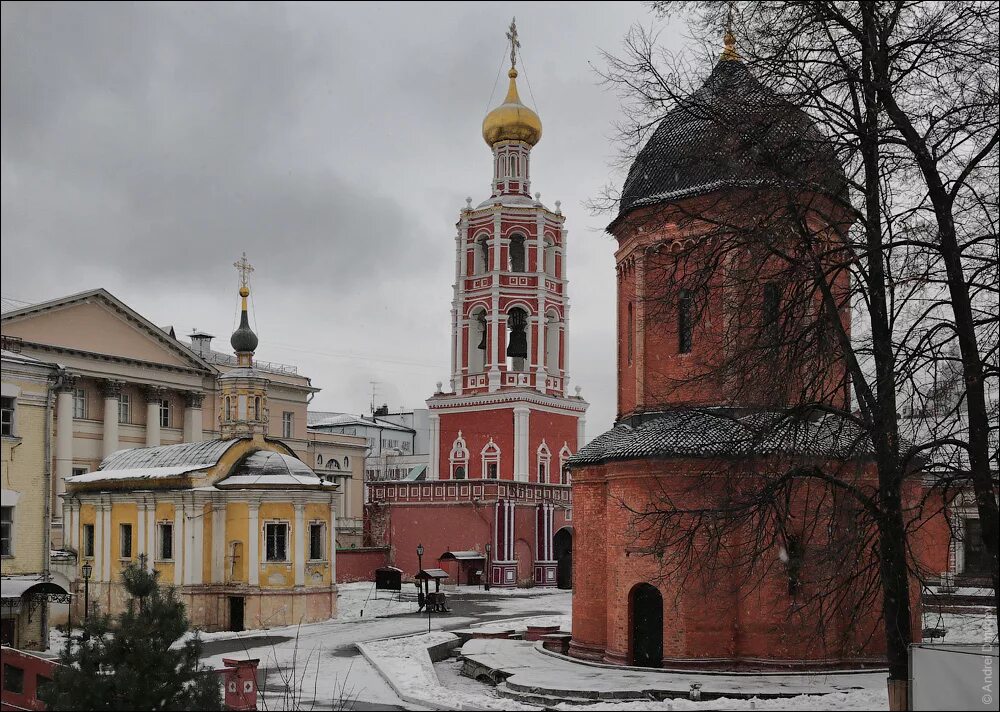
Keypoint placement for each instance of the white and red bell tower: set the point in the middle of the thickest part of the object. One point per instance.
(508, 415)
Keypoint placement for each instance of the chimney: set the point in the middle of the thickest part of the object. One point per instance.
(201, 343)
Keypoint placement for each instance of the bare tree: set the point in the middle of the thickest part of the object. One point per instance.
(862, 293)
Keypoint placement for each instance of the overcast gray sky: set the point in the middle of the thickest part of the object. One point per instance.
(146, 146)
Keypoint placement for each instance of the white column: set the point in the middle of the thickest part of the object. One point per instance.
(190, 544)
(106, 544)
(218, 543)
(70, 526)
(140, 540)
(333, 540)
(179, 553)
(521, 439)
(153, 396)
(151, 532)
(300, 545)
(99, 536)
(253, 545)
(581, 434)
(510, 531)
(197, 542)
(111, 390)
(495, 355)
(64, 440)
(433, 467)
(192, 417)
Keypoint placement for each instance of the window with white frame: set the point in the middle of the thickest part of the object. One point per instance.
(124, 408)
(544, 462)
(287, 424)
(88, 541)
(6, 531)
(7, 416)
(564, 456)
(80, 403)
(491, 460)
(165, 413)
(165, 541)
(125, 541)
(80, 470)
(276, 541)
(459, 458)
(316, 538)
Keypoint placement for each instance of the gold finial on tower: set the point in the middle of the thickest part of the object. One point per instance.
(729, 53)
(512, 120)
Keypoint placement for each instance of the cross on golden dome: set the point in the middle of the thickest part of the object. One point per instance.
(514, 43)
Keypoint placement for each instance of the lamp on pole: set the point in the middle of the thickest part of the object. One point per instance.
(420, 565)
(487, 584)
(87, 570)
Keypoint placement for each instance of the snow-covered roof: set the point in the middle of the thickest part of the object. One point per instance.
(329, 419)
(461, 556)
(271, 469)
(193, 455)
(139, 473)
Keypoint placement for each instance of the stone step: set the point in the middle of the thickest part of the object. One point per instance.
(544, 701)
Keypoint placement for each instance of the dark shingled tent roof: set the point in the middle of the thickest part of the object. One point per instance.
(719, 432)
(733, 132)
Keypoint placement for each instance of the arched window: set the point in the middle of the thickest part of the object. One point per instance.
(347, 462)
(544, 456)
(550, 258)
(477, 341)
(631, 333)
(319, 460)
(491, 461)
(512, 167)
(553, 334)
(482, 254)
(230, 409)
(685, 321)
(459, 458)
(564, 455)
(517, 339)
(256, 408)
(516, 250)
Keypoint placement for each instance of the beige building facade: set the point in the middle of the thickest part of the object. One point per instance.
(128, 383)
(26, 585)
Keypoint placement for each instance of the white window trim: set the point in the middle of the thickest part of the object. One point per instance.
(288, 543)
(323, 546)
(13, 418)
(121, 541)
(13, 539)
(160, 539)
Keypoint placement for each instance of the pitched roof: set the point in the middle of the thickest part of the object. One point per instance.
(695, 433)
(179, 455)
(267, 468)
(116, 304)
(733, 132)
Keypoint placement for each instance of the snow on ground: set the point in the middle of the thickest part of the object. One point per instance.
(361, 600)
(964, 627)
(859, 700)
(564, 622)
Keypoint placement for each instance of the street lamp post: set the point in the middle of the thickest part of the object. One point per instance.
(486, 585)
(420, 565)
(87, 571)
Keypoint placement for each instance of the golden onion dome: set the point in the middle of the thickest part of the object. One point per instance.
(512, 120)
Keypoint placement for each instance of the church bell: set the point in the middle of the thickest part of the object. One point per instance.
(517, 347)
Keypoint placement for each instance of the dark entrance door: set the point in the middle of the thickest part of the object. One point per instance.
(647, 626)
(236, 606)
(562, 547)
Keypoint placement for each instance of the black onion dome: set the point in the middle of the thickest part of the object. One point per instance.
(243, 339)
(733, 132)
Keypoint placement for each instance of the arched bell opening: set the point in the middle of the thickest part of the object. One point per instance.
(517, 341)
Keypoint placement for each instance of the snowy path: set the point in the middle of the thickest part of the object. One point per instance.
(325, 662)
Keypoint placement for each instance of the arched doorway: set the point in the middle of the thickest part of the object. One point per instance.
(646, 616)
(562, 550)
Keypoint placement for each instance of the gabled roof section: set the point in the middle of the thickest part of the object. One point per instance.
(103, 297)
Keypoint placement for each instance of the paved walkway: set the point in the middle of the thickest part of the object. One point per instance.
(539, 677)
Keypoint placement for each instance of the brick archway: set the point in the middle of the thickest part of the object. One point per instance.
(645, 612)
(562, 551)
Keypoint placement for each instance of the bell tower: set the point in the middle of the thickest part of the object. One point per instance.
(510, 312)
(243, 411)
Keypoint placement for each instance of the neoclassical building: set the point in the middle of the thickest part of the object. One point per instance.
(242, 527)
(126, 382)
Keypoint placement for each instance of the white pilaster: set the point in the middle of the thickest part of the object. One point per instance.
(179, 553)
(333, 540)
(218, 543)
(300, 545)
(253, 545)
(521, 440)
(111, 391)
(64, 443)
(151, 532)
(495, 355)
(197, 542)
(581, 433)
(106, 542)
(433, 467)
(140, 540)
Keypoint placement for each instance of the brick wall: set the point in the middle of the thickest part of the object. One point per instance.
(360, 564)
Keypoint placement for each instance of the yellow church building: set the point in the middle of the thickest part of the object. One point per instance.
(243, 529)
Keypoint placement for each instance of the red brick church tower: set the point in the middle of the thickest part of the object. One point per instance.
(691, 433)
(501, 435)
